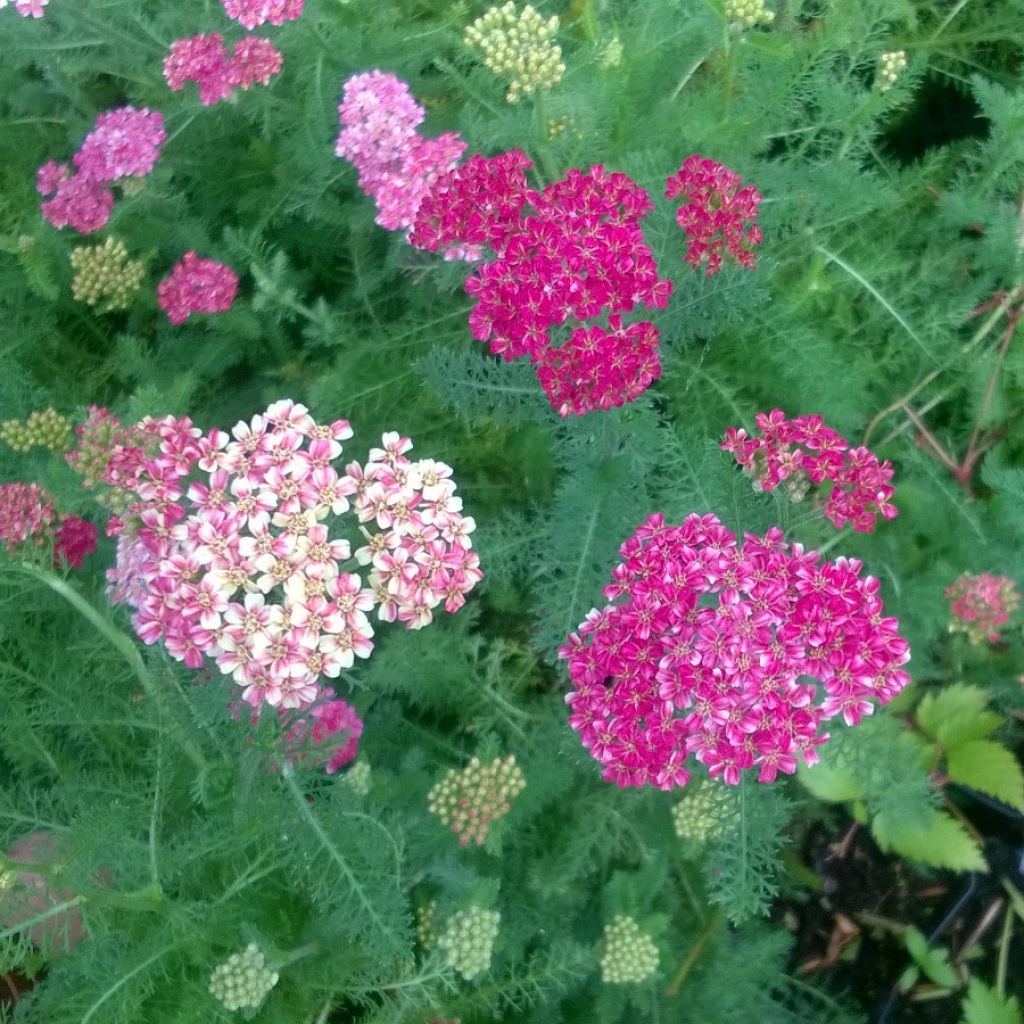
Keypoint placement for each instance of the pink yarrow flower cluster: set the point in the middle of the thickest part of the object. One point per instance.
(204, 59)
(197, 285)
(706, 648)
(28, 8)
(29, 519)
(805, 451)
(981, 604)
(571, 252)
(232, 552)
(324, 735)
(125, 143)
(719, 214)
(396, 165)
(253, 13)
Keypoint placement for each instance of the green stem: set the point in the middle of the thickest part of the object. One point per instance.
(703, 938)
(1004, 951)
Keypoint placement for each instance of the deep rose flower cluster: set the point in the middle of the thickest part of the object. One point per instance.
(244, 564)
(396, 165)
(125, 143)
(204, 59)
(718, 215)
(325, 735)
(706, 649)
(196, 285)
(28, 519)
(806, 451)
(981, 605)
(75, 538)
(571, 252)
(253, 13)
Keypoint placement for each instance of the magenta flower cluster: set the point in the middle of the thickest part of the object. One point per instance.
(325, 735)
(28, 518)
(204, 59)
(253, 13)
(705, 649)
(981, 605)
(396, 165)
(805, 450)
(719, 214)
(197, 285)
(125, 143)
(232, 551)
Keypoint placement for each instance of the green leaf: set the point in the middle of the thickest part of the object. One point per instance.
(989, 768)
(943, 843)
(933, 962)
(984, 1005)
(836, 785)
(957, 714)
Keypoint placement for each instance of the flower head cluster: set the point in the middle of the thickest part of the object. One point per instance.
(890, 65)
(468, 940)
(573, 251)
(232, 552)
(28, 8)
(396, 165)
(44, 428)
(253, 13)
(196, 285)
(28, 519)
(708, 649)
(326, 734)
(699, 815)
(981, 604)
(242, 982)
(747, 13)
(104, 274)
(611, 53)
(471, 800)
(718, 214)
(358, 777)
(75, 538)
(629, 954)
(519, 46)
(426, 920)
(806, 451)
(204, 59)
(124, 144)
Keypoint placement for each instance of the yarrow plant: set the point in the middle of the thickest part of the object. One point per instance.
(29, 521)
(981, 605)
(204, 59)
(470, 800)
(230, 551)
(197, 285)
(805, 451)
(705, 651)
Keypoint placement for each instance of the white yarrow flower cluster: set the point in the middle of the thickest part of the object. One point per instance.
(242, 982)
(743, 14)
(890, 64)
(629, 953)
(468, 941)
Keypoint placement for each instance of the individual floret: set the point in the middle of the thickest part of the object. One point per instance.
(242, 982)
(629, 953)
(468, 941)
(470, 800)
(105, 276)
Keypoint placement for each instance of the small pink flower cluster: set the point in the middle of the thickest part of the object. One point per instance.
(326, 734)
(241, 567)
(718, 214)
(806, 451)
(28, 517)
(981, 604)
(28, 8)
(204, 59)
(125, 143)
(253, 13)
(196, 286)
(396, 165)
(579, 253)
(706, 652)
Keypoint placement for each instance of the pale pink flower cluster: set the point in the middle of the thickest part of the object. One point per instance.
(708, 649)
(396, 165)
(981, 605)
(253, 13)
(196, 285)
(125, 143)
(245, 566)
(204, 59)
(806, 451)
(28, 8)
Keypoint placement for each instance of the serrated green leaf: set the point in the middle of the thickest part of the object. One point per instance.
(933, 962)
(836, 785)
(943, 843)
(989, 768)
(984, 1005)
(957, 714)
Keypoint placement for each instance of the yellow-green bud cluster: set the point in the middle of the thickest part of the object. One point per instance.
(629, 953)
(426, 914)
(471, 800)
(357, 778)
(890, 64)
(611, 55)
(747, 13)
(45, 428)
(519, 47)
(242, 982)
(701, 813)
(468, 941)
(104, 276)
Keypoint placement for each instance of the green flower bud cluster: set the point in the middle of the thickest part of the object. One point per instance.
(43, 429)
(426, 918)
(890, 64)
(629, 953)
(700, 814)
(357, 778)
(611, 55)
(104, 274)
(471, 800)
(519, 47)
(242, 982)
(468, 940)
(747, 13)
